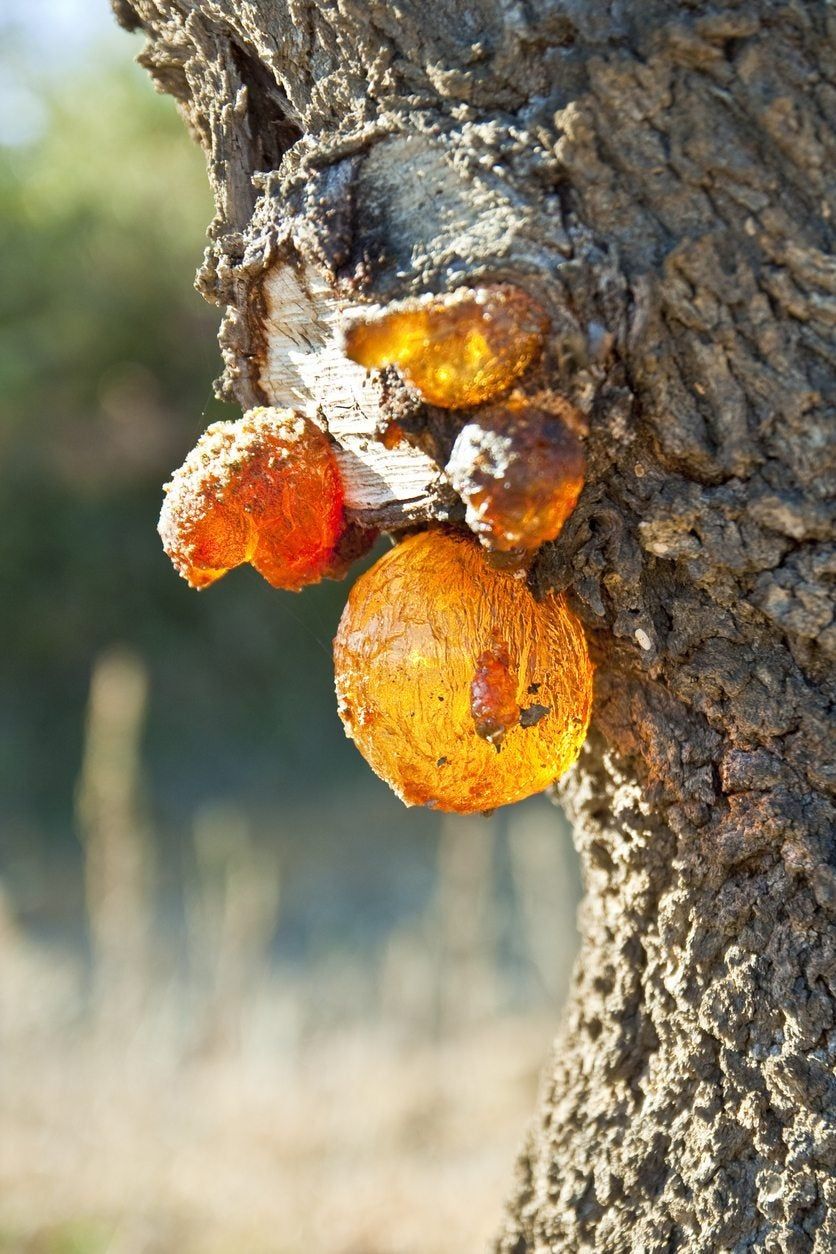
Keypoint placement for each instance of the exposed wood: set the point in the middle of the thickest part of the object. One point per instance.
(305, 368)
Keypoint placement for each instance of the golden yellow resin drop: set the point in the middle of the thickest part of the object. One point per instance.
(459, 349)
(412, 640)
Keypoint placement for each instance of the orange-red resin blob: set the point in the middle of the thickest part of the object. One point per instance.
(519, 472)
(459, 349)
(493, 695)
(410, 646)
(264, 490)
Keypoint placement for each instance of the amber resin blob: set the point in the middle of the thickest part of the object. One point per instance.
(519, 472)
(264, 490)
(460, 689)
(459, 349)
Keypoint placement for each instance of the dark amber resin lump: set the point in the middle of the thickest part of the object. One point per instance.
(520, 472)
(441, 659)
(265, 490)
(493, 695)
(459, 349)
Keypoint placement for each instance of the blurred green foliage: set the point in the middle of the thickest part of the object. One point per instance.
(106, 360)
(101, 224)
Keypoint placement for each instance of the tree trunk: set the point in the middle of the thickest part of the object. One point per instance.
(658, 175)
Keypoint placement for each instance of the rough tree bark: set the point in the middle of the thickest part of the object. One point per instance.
(658, 174)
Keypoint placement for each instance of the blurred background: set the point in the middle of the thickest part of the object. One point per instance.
(248, 1002)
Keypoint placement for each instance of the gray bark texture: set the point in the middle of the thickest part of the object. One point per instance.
(660, 176)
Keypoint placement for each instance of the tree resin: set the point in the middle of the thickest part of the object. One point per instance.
(519, 472)
(264, 490)
(458, 350)
(493, 695)
(441, 660)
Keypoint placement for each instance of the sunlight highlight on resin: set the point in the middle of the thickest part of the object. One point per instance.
(458, 350)
(459, 689)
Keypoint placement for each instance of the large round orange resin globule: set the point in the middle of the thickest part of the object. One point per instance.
(460, 689)
(264, 490)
